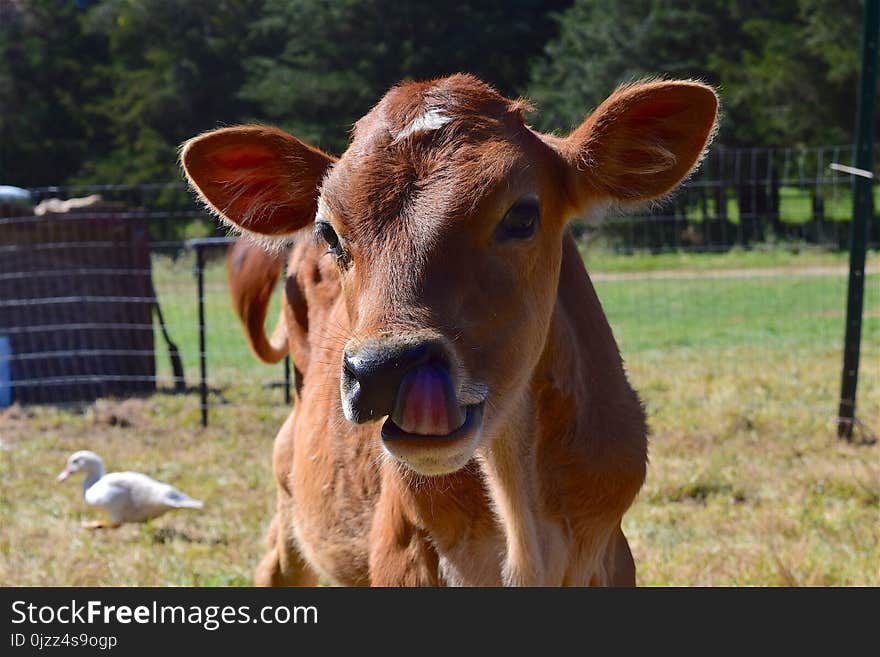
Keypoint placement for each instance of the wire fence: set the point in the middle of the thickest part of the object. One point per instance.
(120, 290)
(748, 197)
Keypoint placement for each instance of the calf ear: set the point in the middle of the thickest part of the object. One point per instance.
(641, 142)
(256, 178)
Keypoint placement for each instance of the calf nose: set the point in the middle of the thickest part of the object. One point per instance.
(371, 375)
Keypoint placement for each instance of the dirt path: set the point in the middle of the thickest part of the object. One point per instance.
(757, 272)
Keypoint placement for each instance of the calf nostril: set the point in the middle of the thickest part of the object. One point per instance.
(349, 365)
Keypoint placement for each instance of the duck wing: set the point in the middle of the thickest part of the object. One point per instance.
(135, 497)
(113, 494)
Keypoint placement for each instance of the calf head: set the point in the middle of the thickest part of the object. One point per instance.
(445, 219)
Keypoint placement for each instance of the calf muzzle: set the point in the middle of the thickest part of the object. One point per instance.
(410, 382)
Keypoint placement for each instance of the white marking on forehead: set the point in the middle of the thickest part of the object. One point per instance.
(323, 212)
(430, 120)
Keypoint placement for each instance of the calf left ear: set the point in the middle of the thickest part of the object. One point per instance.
(641, 142)
(257, 178)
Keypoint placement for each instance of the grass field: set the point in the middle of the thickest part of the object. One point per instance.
(737, 357)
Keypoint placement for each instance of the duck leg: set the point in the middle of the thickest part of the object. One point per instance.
(100, 524)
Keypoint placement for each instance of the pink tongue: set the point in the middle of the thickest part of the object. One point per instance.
(426, 403)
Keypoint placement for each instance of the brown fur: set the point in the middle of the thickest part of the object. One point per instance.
(562, 453)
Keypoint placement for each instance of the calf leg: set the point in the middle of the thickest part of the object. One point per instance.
(283, 564)
(620, 565)
(400, 553)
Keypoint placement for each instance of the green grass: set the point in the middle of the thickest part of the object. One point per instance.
(747, 483)
(229, 359)
(796, 205)
(788, 309)
(783, 312)
(796, 256)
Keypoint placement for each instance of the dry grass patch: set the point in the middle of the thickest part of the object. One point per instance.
(748, 484)
(227, 466)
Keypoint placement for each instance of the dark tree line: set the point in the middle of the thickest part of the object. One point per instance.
(106, 90)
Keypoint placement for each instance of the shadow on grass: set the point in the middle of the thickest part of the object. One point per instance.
(162, 535)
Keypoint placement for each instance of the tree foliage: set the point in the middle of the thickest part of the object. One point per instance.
(46, 81)
(322, 65)
(173, 69)
(786, 71)
(106, 90)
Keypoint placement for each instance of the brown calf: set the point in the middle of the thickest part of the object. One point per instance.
(462, 415)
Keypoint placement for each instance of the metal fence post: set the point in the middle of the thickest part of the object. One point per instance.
(862, 204)
(203, 373)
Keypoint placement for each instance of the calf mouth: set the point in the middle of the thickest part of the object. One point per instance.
(473, 419)
(429, 429)
(434, 455)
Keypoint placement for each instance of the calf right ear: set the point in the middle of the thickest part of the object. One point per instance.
(641, 142)
(256, 178)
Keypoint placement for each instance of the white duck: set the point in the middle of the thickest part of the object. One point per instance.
(126, 496)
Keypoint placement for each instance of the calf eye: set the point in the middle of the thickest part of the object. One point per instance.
(521, 220)
(325, 232)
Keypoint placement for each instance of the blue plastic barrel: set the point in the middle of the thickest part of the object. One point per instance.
(5, 372)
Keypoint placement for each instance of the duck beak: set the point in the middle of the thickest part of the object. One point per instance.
(64, 474)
